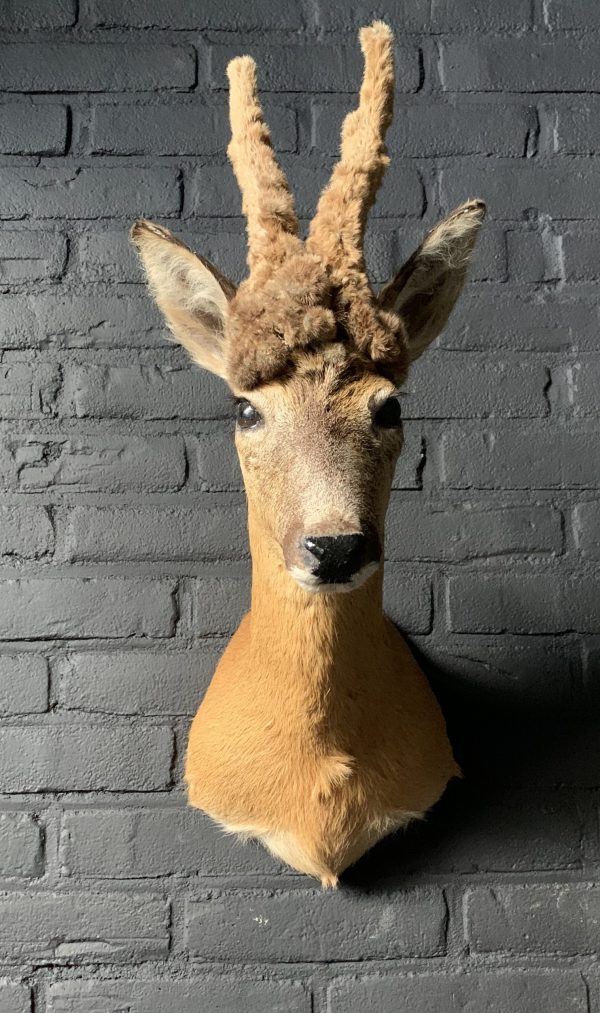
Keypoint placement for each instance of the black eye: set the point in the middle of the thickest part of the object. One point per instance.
(246, 414)
(388, 415)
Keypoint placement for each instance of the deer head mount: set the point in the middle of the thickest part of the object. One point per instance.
(314, 358)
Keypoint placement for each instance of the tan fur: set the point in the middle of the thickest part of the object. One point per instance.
(318, 730)
(319, 734)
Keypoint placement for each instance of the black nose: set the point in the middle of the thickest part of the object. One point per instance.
(334, 559)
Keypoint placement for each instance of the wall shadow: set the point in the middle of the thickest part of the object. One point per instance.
(529, 761)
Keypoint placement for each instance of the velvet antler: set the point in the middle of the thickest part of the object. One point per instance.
(338, 227)
(266, 199)
(304, 295)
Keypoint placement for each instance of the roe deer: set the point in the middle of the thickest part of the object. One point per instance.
(319, 734)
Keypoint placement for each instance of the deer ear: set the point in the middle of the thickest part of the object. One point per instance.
(191, 293)
(424, 291)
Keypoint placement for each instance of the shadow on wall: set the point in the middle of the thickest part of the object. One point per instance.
(529, 763)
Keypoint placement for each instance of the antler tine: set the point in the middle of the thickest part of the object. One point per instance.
(337, 229)
(266, 199)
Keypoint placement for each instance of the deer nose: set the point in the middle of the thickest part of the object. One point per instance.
(334, 559)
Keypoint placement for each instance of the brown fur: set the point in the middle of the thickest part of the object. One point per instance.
(318, 734)
(324, 279)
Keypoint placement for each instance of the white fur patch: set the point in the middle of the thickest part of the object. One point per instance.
(310, 582)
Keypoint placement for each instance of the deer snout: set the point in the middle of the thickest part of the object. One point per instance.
(332, 556)
(334, 559)
(337, 560)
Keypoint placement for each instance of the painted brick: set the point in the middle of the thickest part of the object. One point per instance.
(213, 15)
(21, 848)
(493, 991)
(585, 16)
(23, 15)
(23, 684)
(83, 927)
(217, 604)
(423, 16)
(32, 129)
(330, 69)
(485, 16)
(575, 127)
(526, 672)
(14, 998)
(267, 926)
(451, 532)
(407, 599)
(221, 993)
(522, 603)
(177, 129)
(570, 189)
(535, 256)
(581, 252)
(96, 319)
(427, 129)
(25, 533)
(520, 458)
(64, 191)
(217, 461)
(490, 257)
(95, 463)
(412, 461)
(382, 254)
(556, 919)
(60, 608)
(489, 320)
(140, 843)
(197, 531)
(484, 831)
(582, 379)
(507, 387)
(138, 391)
(586, 522)
(593, 983)
(72, 66)
(27, 389)
(58, 757)
(519, 64)
(137, 682)
(30, 256)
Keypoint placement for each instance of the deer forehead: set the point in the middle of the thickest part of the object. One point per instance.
(319, 420)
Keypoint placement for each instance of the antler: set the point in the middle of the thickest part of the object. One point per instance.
(266, 199)
(338, 227)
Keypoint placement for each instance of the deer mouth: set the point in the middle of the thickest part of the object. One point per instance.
(315, 585)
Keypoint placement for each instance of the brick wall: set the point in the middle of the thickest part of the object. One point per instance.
(122, 546)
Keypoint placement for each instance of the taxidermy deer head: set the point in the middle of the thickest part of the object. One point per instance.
(318, 734)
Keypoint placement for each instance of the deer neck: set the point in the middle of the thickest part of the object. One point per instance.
(315, 642)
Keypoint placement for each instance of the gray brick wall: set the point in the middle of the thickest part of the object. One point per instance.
(123, 555)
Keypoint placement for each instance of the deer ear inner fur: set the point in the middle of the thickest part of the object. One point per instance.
(425, 289)
(191, 293)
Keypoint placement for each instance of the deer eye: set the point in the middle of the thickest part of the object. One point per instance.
(246, 414)
(388, 415)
